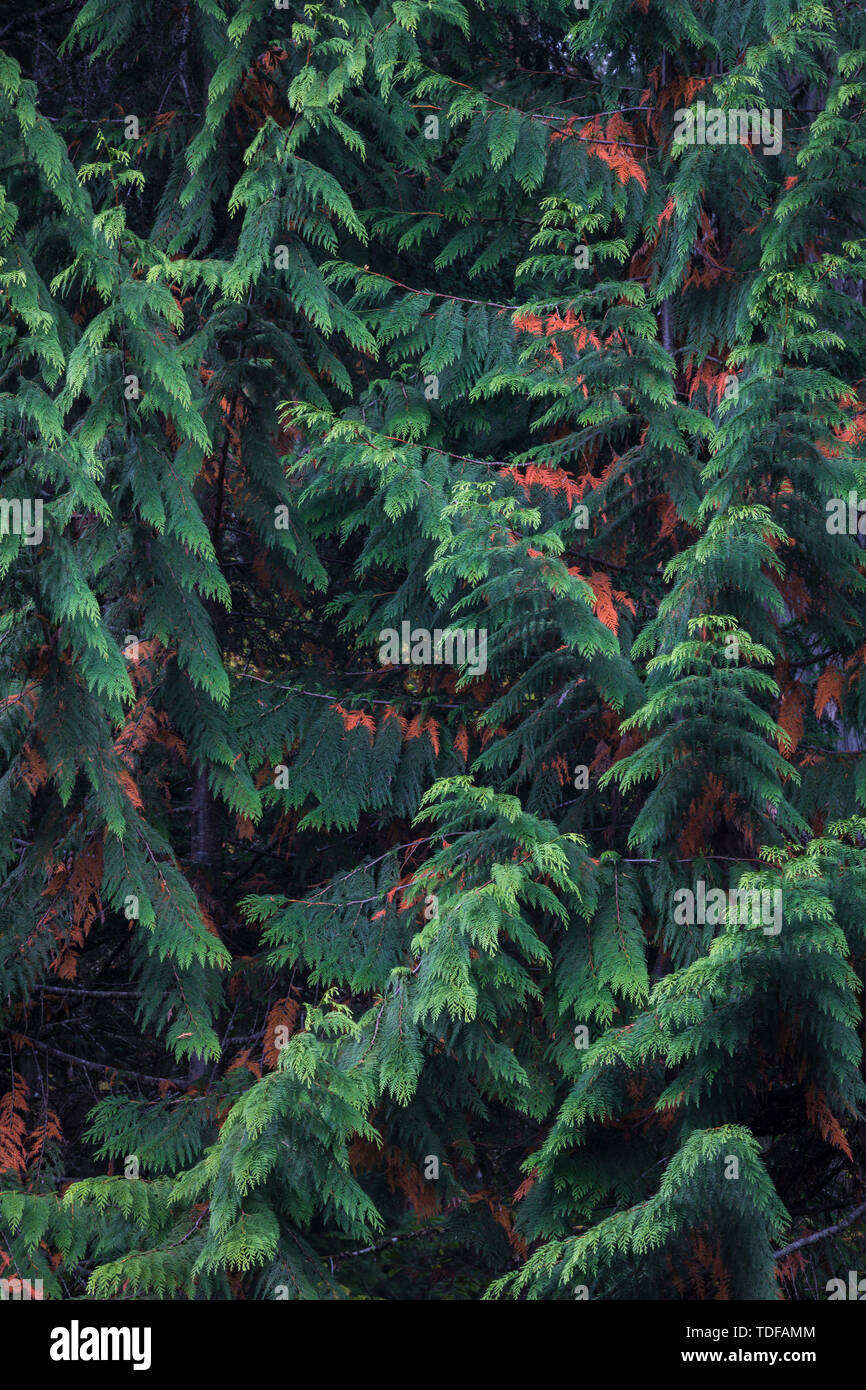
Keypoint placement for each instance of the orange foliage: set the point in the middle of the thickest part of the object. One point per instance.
(13, 1127)
(829, 688)
(611, 144)
(606, 598)
(284, 1014)
(553, 480)
(17, 1152)
(704, 1277)
(822, 1117)
(791, 716)
(77, 883)
(355, 717)
(401, 1173)
(461, 742)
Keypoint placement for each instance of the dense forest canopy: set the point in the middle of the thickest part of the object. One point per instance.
(432, 781)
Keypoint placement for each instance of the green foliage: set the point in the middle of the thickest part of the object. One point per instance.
(384, 999)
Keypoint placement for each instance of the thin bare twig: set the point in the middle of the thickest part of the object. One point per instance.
(822, 1235)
